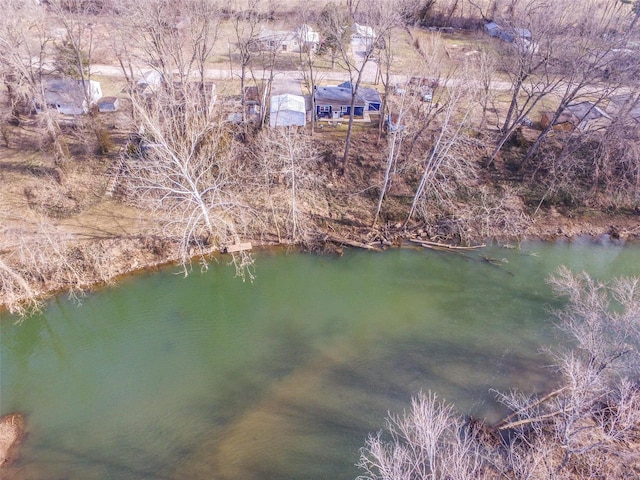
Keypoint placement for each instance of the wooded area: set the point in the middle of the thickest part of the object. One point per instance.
(137, 132)
(452, 121)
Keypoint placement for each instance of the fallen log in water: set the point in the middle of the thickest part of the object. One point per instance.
(443, 246)
(350, 243)
(509, 422)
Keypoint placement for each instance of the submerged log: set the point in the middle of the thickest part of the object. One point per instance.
(350, 243)
(443, 246)
(11, 432)
(509, 422)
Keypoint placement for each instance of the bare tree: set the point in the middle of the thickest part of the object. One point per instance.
(594, 413)
(615, 172)
(308, 57)
(487, 70)
(37, 257)
(204, 23)
(385, 54)
(424, 443)
(442, 152)
(396, 135)
(174, 39)
(267, 57)
(525, 56)
(334, 27)
(184, 172)
(424, 81)
(76, 49)
(287, 163)
(19, 296)
(554, 51)
(585, 64)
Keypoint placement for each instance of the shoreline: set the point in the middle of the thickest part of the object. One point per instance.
(130, 262)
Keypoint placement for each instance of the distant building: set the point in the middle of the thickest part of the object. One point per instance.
(308, 38)
(364, 34)
(273, 40)
(521, 36)
(626, 106)
(492, 29)
(588, 114)
(288, 41)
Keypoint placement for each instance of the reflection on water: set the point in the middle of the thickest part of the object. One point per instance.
(211, 378)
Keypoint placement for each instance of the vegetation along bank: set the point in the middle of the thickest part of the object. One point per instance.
(143, 132)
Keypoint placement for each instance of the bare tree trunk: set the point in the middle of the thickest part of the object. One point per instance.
(449, 133)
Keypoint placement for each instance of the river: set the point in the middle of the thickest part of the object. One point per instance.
(207, 377)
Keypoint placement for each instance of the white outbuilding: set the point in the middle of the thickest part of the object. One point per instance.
(287, 110)
(70, 96)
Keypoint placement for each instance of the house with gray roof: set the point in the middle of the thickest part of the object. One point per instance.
(363, 34)
(335, 102)
(369, 95)
(625, 105)
(582, 116)
(588, 115)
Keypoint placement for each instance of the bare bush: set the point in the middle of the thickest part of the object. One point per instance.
(597, 168)
(488, 215)
(42, 258)
(423, 443)
(588, 428)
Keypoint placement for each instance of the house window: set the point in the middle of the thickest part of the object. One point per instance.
(344, 109)
(324, 108)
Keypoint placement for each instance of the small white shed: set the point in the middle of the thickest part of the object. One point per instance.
(70, 96)
(287, 110)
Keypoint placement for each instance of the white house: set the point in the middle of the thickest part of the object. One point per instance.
(277, 40)
(69, 96)
(363, 34)
(307, 37)
(287, 41)
(287, 110)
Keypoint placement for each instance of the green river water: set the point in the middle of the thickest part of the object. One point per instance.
(208, 377)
